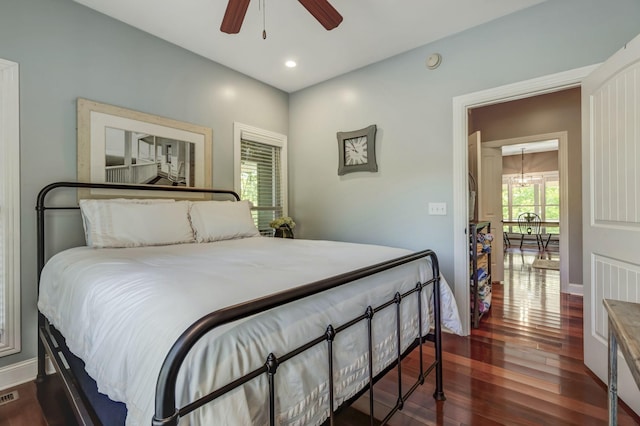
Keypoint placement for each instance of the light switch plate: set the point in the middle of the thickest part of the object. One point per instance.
(438, 209)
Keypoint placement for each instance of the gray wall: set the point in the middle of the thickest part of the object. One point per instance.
(66, 51)
(412, 108)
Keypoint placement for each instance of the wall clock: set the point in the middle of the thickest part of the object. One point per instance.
(357, 151)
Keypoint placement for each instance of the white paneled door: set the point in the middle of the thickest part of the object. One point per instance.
(475, 167)
(611, 203)
(491, 206)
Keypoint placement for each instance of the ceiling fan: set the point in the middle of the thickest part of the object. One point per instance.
(320, 9)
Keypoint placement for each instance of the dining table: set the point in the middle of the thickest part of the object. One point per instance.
(511, 227)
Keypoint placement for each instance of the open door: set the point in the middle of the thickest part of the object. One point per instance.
(475, 167)
(485, 165)
(490, 206)
(611, 201)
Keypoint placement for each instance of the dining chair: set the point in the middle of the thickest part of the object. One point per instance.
(529, 224)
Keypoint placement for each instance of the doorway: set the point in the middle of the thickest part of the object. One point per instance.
(461, 107)
(549, 157)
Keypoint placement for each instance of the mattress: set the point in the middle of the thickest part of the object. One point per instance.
(121, 310)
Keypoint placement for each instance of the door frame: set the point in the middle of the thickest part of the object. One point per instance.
(461, 105)
(10, 341)
(563, 173)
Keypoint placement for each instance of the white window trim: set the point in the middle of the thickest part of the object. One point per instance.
(10, 196)
(254, 134)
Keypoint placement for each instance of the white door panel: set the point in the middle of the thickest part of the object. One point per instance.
(491, 206)
(475, 166)
(611, 203)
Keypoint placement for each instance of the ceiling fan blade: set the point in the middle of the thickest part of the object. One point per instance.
(233, 16)
(323, 12)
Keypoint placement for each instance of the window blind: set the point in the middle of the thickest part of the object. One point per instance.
(261, 181)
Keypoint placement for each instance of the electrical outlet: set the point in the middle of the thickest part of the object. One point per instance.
(439, 209)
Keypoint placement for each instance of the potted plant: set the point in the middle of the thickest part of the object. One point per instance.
(283, 227)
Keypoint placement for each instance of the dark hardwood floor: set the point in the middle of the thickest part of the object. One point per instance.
(522, 366)
(23, 411)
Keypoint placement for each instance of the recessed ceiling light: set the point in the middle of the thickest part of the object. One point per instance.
(290, 64)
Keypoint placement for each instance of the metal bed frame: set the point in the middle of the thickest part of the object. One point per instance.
(166, 413)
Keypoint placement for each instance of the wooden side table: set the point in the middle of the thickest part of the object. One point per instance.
(624, 331)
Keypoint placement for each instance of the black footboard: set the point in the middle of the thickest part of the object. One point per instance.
(166, 412)
(168, 415)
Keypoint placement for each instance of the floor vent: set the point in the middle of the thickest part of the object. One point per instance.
(8, 397)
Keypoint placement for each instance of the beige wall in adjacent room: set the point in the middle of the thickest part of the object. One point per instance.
(535, 162)
(552, 112)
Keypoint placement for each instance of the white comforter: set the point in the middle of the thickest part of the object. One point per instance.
(122, 309)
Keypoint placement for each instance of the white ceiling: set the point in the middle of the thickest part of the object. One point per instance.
(372, 30)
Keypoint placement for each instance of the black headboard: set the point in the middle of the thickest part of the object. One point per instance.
(41, 207)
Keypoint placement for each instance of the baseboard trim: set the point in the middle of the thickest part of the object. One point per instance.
(576, 289)
(21, 372)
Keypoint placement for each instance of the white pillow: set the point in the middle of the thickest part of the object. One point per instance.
(222, 220)
(135, 223)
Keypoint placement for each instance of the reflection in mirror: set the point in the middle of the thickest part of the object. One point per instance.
(138, 158)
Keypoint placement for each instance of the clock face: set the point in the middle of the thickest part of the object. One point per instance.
(355, 151)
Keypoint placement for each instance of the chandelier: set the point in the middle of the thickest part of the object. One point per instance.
(523, 180)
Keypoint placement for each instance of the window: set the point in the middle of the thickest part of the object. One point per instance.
(9, 209)
(539, 194)
(261, 173)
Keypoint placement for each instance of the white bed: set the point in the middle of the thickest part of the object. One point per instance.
(121, 309)
(142, 305)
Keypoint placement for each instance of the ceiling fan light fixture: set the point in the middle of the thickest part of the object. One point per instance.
(326, 14)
